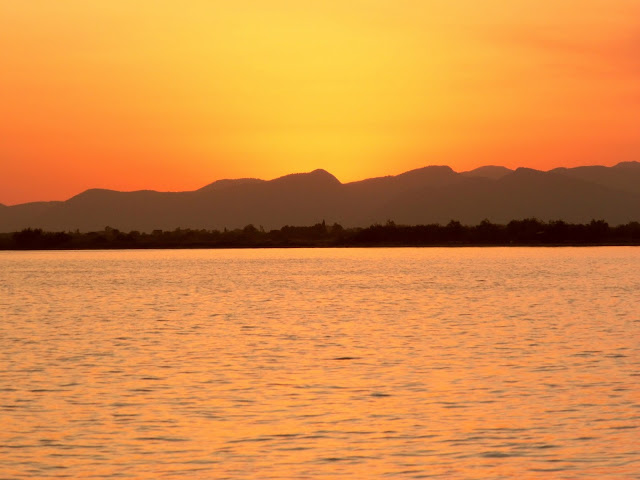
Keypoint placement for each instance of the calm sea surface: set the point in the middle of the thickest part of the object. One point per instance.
(492, 363)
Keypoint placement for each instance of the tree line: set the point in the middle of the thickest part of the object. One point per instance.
(529, 231)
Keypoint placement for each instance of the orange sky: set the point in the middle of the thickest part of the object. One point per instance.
(172, 95)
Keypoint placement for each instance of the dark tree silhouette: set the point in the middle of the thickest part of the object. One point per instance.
(529, 231)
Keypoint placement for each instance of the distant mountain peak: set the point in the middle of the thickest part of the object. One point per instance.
(526, 171)
(430, 171)
(631, 164)
(494, 172)
(316, 176)
(227, 183)
(430, 168)
(107, 191)
(92, 192)
(434, 193)
(319, 171)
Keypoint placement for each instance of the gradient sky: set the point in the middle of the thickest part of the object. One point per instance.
(172, 95)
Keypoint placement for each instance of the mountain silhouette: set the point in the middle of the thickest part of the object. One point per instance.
(433, 194)
(489, 171)
(226, 183)
(624, 176)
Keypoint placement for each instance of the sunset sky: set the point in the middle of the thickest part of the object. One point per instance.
(171, 95)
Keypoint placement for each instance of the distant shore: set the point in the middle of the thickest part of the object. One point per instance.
(528, 232)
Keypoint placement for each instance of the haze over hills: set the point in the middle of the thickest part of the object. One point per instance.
(433, 194)
(489, 171)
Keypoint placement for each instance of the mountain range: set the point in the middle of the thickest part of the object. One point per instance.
(433, 194)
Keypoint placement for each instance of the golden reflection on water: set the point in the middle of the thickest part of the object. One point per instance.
(290, 364)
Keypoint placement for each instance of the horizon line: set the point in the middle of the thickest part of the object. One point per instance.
(322, 170)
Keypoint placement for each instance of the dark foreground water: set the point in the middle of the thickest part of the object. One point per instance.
(310, 364)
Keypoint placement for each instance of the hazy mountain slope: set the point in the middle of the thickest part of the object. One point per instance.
(490, 171)
(228, 183)
(364, 202)
(13, 218)
(142, 210)
(433, 194)
(519, 194)
(294, 199)
(298, 199)
(623, 176)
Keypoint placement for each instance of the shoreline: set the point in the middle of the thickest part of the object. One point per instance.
(298, 247)
(517, 233)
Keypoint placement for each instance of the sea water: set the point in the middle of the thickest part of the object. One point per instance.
(452, 363)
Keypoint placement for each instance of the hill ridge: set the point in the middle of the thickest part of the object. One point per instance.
(431, 194)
